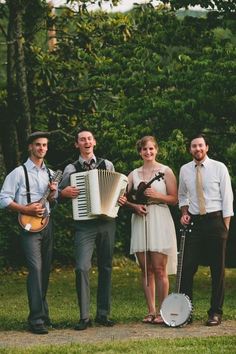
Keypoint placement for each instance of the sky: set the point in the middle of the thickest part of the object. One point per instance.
(124, 5)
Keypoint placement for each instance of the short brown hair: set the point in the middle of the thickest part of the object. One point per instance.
(143, 141)
(199, 135)
(81, 131)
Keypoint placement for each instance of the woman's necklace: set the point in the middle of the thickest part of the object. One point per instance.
(147, 174)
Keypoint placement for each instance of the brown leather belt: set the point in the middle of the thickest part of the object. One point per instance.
(212, 215)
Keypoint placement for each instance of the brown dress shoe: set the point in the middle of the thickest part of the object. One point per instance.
(214, 320)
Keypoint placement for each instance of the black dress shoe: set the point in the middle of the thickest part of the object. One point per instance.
(213, 320)
(48, 323)
(83, 324)
(38, 328)
(104, 321)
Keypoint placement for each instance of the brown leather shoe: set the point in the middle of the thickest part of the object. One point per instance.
(214, 320)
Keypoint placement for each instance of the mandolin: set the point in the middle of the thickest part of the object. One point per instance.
(36, 223)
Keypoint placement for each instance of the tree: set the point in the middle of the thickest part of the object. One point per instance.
(219, 5)
(24, 18)
(17, 119)
(148, 71)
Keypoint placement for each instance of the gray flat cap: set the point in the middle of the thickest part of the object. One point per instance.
(37, 135)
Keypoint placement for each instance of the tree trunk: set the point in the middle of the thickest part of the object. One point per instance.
(8, 132)
(16, 123)
(24, 124)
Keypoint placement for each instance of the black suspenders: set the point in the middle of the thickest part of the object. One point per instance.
(27, 182)
(27, 185)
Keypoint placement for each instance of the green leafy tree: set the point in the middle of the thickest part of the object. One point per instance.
(149, 71)
(220, 5)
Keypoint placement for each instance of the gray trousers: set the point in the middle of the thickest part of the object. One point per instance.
(91, 233)
(38, 248)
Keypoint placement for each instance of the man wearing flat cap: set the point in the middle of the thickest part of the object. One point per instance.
(22, 192)
(36, 135)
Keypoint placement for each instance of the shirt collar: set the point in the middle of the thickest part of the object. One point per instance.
(81, 160)
(30, 165)
(204, 163)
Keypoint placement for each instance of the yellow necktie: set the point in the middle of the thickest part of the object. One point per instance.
(201, 200)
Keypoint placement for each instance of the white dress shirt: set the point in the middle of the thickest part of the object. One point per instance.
(217, 187)
(14, 186)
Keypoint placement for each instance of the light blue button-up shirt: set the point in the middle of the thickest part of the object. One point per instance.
(14, 186)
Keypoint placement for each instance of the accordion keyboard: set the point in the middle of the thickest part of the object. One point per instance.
(99, 193)
(82, 203)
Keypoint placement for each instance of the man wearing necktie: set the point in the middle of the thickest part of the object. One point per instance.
(206, 201)
(88, 234)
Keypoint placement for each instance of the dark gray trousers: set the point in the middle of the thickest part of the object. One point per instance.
(38, 248)
(91, 233)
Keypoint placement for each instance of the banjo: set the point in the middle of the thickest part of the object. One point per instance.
(176, 309)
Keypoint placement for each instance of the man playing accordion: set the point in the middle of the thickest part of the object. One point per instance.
(88, 233)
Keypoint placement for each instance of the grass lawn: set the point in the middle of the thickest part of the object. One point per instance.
(128, 306)
(216, 345)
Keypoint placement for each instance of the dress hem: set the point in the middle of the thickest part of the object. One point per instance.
(148, 250)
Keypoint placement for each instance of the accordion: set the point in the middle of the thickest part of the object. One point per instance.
(99, 193)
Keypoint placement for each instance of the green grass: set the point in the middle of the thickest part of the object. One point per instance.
(216, 345)
(128, 306)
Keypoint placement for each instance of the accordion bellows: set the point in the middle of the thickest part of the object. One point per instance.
(99, 193)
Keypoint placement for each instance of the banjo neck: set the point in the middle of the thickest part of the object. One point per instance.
(184, 231)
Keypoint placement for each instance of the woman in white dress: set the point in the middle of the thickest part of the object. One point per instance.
(153, 237)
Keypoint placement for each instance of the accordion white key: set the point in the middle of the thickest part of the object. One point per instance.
(99, 193)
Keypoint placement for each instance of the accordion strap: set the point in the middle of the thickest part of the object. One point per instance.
(101, 164)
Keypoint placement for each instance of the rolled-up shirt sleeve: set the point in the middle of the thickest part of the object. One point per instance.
(65, 181)
(10, 189)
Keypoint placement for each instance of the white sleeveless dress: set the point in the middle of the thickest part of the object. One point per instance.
(161, 236)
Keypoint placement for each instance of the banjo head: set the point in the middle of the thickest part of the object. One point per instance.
(176, 310)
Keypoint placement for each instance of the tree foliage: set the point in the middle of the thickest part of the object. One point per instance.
(220, 5)
(148, 71)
